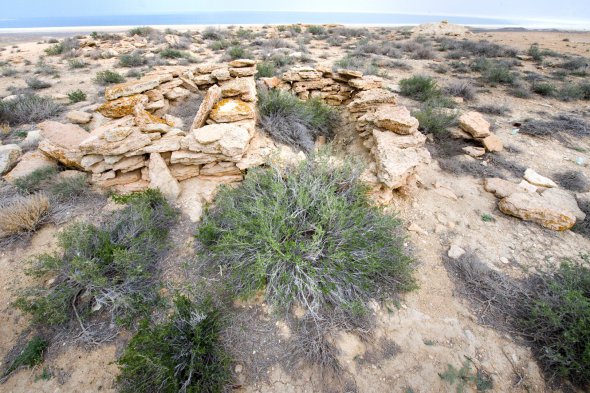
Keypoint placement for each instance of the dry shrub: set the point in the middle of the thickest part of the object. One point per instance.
(23, 214)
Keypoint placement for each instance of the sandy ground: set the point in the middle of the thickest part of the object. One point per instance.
(433, 327)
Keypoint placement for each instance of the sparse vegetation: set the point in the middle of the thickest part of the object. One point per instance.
(30, 356)
(307, 236)
(420, 88)
(76, 96)
(182, 354)
(37, 84)
(461, 88)
(265, 69)
(133, 59)
(294, 122)
(463, 377)
(22, 214)
(316, 30)
(111, 263)
(238, 52)
(108, 77)
(28, 108)
(434, 118)
(550, 310)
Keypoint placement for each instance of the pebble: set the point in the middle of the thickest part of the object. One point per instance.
(455, 251)
(504, 260)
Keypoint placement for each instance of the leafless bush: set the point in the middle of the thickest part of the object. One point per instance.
(461, 88)
(23, 214)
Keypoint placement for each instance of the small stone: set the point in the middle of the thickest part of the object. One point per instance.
(474, 151)
(9, 155)
(455, 252)
(416, 228)
(504, 260)
(78, 117)
(493, 143)
(474, 124)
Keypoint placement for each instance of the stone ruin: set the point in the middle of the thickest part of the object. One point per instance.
(135, 144)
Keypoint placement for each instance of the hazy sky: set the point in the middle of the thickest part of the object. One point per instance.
(511, 9)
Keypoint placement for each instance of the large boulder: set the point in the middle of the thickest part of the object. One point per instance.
(562, 198)
(62, 142)
(9, 155)
(395, 118)
(474, 124)
(368, 99)
(245, 88)
(533, 207)
(161, 178)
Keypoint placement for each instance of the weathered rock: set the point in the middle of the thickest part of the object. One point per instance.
(564, 199)
(501, 188)
(316, 84)
(242, 63)
(220, 169)
(96, 144)
(207, 68)
(367, 82)
(197, 192)
(243, 87)
(349, 73)
(400, 141)
(533, 177)
(123, 106)
(187, 157)
(167, 143)
(455, 252)
(161, 178)
(533, 207)
(230, 140)
(211, 97)
(301, 73)
(260, 148)
(230, 110)
(129, 164)
(28, 163)
(474, 151)
(395, 165)
(144, 119)
(132, 87)
(368, 99)
(206, 79)
(110, 178)
(9, 155)
(183, 172)
(177, 93)
(271, 82)
(474, 124)
(395, 118)
(61, 142)
(78, 117)
(221, 74)
(32, 139)
(242, 72)
(493, 143)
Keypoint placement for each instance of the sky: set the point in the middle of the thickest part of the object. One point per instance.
(562, 10)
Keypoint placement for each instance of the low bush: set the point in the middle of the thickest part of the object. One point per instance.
(182, 354)
(77, 63)
(476, 48)
(64, 47)
(133, 59)
(307, 235)
(545, 89)
(574, 181)
(76, 96)
(561, 127)
(28, 108)
(419, 87)
(316, 30)
(435, 118)
(238, 52)
(34, 181)
(498, 74)
(37, 84)
(294, 122)
(23, 214)
(493, 109)
(30, 356)
(265, 69)
(358, 63)
(170, 53)
(460, 88)
(549, 310)
(8, 71)
(105, 272)
(108, 77)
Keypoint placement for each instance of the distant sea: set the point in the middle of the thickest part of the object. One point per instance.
(244, 18)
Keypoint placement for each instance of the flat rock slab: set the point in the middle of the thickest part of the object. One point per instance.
(474, 124)
(533, 207)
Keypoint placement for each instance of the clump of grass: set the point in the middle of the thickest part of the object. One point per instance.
(134, 59)
(30, 356)
(550, 310)
(28, 108)
(23, 214)
(8, 71)
(420, 88)
(562, 126)
(316, 30)
(182, 354)
(76, 96)
(464, 377)
(573, 180)
(238, 52)
(434, 118)
(493, 109)
(460, 88)
(104, 272)
(37, 84)
(108, 77)
(498, 74)
(307, 235)
(65, 47)
(265, 69)
(34, 181)
(294, 122)
(357, 62)
(170, 53)
(77, 63)
(545, 89)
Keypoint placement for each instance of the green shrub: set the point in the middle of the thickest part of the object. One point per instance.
(55, 49)
(420, 88)
(76, 96)
(64, 47)
(544, 88)
(143, 31)
(170, 53)
(306, 235)
(37, 84)
(316, 30)
(220, 44)
(535, 53)
(294, 122)
(134, 59)
(498, 73)
(107, 271)
(265, 69)
(28, 108)
(359, 63)
(434, 118)
(76, 64)
(182, 354)
(31, 355)
(238, 52)
(108, 77)
(68, 188)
